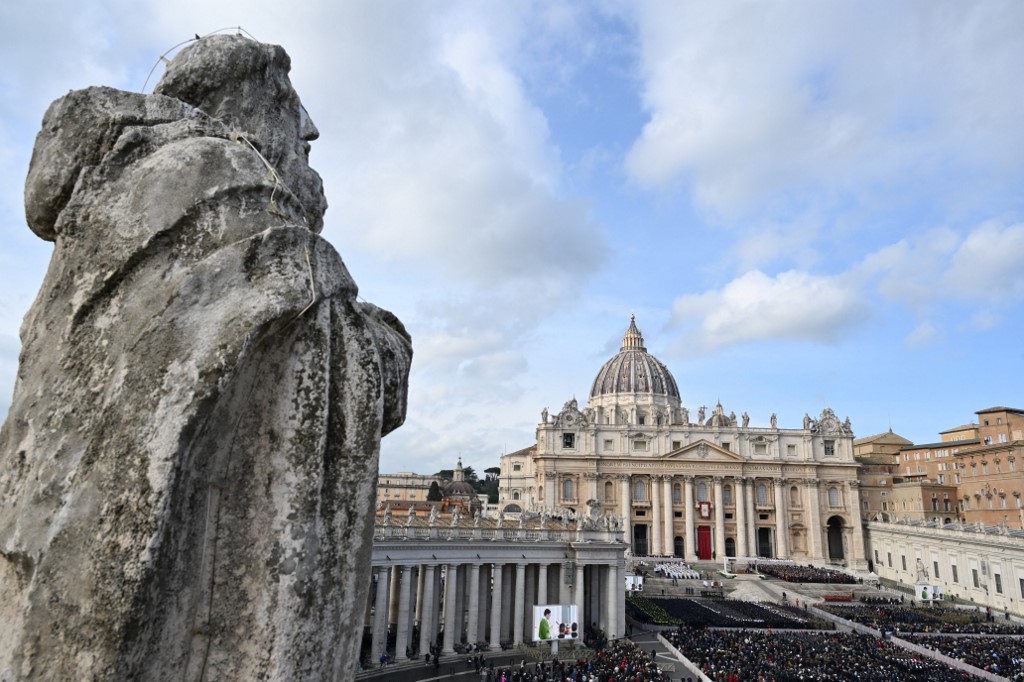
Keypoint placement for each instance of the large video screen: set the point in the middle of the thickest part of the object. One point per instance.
(555, 622)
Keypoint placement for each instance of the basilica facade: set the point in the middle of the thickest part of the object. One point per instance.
(695, 484)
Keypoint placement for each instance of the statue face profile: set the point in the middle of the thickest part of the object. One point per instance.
(245, 85)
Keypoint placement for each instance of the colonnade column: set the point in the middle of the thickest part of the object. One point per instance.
(380, 614)
(814, 525)
(474, 604)
(450, 580)
(752, 509)
(689, 540)
(853, 504)
(517, 604)
(581, 617)
(402, 633)
(740, 504)
(719, 520)
(542, 584)
(781, 527)
(669, 542)
(496, 591)
(612, 597)
(428, 612)
(657, 509)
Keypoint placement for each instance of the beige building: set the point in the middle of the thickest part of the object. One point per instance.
(702, 488)
(404, 486)
(878, 456)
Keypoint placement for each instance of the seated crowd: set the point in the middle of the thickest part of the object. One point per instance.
(806, 574)
(729, 613)
(1002, 656)
(620, 662)
(744, 655)
(909, 618)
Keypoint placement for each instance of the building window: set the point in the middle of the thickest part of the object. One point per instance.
(515, 495)
(676, 444)
(791, 449)
(726, 445)
(642, 420)
(762, 494)
(760, 448)
(702, 492)
(639, 446)
(876, 557)
(865, 503)
(609, 491)
(935, 568)
(517, 467)
(999, 582)
(903, 561)
(567, 489)
(794, 497)
(833, 497)
(677, 494)
(889, 556)
(569, 440)
(640, 491)
(830, 448)
(609, 445)
(727, 495)
(956, 574)
(974, 577)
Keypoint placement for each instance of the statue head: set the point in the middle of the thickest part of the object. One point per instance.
(245, 85)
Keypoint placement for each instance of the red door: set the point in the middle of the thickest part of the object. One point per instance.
(704, 543)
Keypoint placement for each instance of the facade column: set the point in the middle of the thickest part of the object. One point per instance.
(517, 624)
(451, 579)
(857, 558)
(689, 542)
(428, 614)
(740, 505)
(625, 510)
(719, 520)
(542, 584)
(474, 604)
(657, 509)
(380, 614)
(402, 633)
(496, 591)
(581, 616)
(550, 483)
(781, 527)
(591, 478)
(669, 542)
(752, 513)
(814, 512)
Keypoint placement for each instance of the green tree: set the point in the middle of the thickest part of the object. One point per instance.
(434, 494)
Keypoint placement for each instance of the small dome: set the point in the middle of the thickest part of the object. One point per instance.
(634, 370)
(459, 488)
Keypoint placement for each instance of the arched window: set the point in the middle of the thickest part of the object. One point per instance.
(794, 497)
(762, 494)
(609, 491)
(727, 495)
(567, 490)
(833, 497)
(702, 492)
(515, 495)
(639, 491)
(677, 494)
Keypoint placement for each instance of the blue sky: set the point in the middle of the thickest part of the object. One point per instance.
(805, 204)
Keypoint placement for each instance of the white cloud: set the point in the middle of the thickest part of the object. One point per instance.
(989, 264)
(924, 334)
(792, 305)
(743, 106)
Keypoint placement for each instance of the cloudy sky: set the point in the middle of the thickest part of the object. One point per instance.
(805, 204)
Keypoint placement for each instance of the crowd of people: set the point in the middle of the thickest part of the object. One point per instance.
(935, 619)
(729, 613)
(761, 656)
(1002, 656)
(793, 573)
(620, 662)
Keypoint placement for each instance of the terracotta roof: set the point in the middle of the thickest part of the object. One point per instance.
(1000, 409)
(965, 427)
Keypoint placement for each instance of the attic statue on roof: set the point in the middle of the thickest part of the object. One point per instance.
(187, 469)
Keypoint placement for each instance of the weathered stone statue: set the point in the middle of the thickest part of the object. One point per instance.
(188, 468)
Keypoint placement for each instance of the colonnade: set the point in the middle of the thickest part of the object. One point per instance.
(471, 600)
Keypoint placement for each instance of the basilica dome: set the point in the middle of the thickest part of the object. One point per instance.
(633, 370)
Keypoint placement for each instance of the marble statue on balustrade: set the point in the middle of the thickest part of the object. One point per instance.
(188, 466)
